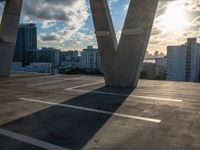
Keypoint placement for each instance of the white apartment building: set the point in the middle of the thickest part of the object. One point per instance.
(90, 59)
(184, 61)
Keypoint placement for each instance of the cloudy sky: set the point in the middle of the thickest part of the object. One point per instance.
(67, 24)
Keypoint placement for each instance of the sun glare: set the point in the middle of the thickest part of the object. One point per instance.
(175, 18)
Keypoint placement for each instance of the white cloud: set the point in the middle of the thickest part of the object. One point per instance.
(64, 22)
(72, 14)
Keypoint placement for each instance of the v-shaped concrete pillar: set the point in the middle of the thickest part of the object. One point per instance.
(122, 63)
(8, 34)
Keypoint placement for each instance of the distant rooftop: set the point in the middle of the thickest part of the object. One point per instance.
(27, 25)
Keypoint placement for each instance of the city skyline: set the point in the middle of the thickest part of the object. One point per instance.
(68, 25)
(116, 96)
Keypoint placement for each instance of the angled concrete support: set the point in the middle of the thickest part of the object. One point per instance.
(8, 34)
(122, 62)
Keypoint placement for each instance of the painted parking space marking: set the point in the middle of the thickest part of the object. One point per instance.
(85, 85)
(126, 95)
(75, 89)
(93, 110)
(30, 140)
(29, 79)
(56, 81)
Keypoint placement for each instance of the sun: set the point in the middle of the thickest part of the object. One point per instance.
(175, 18)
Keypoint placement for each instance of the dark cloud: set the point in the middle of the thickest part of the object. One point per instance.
(48, 38)
(48, 9)
(156, 31)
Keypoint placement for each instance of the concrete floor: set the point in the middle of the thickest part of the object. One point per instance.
(78, 112)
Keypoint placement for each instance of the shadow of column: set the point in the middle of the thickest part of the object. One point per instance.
(67, 127)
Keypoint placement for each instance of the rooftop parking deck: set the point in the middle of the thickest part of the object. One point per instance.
(39, 111)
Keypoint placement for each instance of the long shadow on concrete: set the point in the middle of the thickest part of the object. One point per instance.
(70, 128)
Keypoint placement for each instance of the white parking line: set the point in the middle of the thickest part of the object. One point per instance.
(126, 95)
(158, 98)
(93, 110)
(85, 85)
(74, 89)
(29, 79)
(13, 75)
(41, 83)
(32, 141)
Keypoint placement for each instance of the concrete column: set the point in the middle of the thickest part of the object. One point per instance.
(122, 62)
(8, 34)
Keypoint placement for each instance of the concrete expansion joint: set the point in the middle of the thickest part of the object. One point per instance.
(136, 31)
(102, 33)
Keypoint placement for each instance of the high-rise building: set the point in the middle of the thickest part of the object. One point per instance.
(184, 61)
(69, 59)
(90, 59)
(72, 55)
(44, 55)
(161, 68)
(26, 40)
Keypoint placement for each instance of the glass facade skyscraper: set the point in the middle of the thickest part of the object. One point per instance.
(26, 40)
